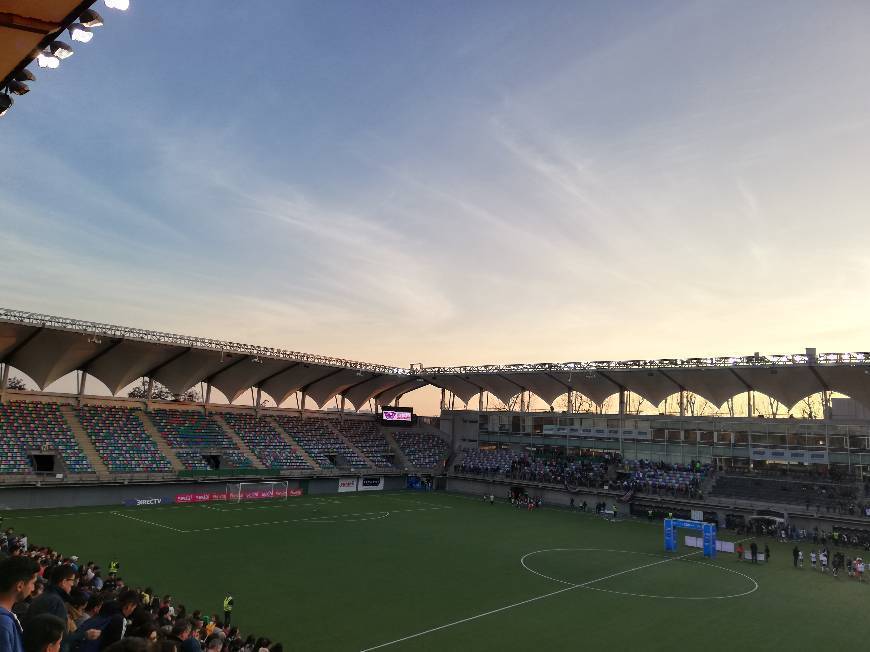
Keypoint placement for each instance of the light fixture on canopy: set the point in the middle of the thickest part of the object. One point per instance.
(80, 33)
(6, 103)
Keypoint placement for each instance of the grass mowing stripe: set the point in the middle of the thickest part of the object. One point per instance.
(530, 600)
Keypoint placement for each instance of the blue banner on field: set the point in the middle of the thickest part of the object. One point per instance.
(151, 500)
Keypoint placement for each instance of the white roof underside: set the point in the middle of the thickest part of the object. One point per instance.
(47, 348)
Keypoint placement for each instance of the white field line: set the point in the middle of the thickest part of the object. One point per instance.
(530, 600)
(142, 520)
(641, 595)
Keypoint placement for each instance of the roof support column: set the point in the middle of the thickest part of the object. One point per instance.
(4, 382)
(749, 404)
(682, 402)
(207, 398)
(257, 406)
(81, 389)
(302, 404)
(570, 401)
(622, 398)
(480, 402)
(148, 393)
(443, 398)
(341, 410)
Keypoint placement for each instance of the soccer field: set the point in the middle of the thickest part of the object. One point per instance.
(415, 571)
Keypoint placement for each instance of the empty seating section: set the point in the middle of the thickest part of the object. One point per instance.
(366, 437)
(120, 438)
(423, 450)
(27, 427)
(803, 492)
(316, 438)
(193, 435)
(265, 442)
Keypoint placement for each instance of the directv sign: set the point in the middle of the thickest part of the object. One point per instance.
(146, 502)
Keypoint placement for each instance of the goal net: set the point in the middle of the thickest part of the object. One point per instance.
(239, 491)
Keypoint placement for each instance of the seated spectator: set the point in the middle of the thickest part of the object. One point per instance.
(44, 633)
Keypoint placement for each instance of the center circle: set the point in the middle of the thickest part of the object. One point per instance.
(528, 563)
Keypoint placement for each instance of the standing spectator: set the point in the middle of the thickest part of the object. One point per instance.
(795, 553)
(56, 596)
(17, 579)
(228, 609)
(753, 549)
(766, 554)
(116, 614)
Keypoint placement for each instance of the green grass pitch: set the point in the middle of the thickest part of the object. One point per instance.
(415, 571)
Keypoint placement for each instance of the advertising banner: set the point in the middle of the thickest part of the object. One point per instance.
(371, 484)
(790, 455)
(202, 497)
(346, 484)
(143, 502)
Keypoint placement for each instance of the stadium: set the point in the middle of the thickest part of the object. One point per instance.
(168, 492)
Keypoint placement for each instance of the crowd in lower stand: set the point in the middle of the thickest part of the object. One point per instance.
(661, 478)
(53, 603)
(591, 470)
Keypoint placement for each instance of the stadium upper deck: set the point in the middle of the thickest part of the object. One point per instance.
(47, 348)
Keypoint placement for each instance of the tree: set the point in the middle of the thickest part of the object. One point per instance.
(161, 393)
(16, 382)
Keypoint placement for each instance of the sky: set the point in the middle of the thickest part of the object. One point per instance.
(453, 182)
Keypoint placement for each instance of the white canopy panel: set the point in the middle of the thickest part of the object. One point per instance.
(46, 348)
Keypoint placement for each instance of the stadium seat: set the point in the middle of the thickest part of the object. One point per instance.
(121, 441)
(265, 442)
(27, 427)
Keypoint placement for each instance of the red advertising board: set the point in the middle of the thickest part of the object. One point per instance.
(202, 497)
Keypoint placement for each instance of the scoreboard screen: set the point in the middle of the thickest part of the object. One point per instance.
(394, 416)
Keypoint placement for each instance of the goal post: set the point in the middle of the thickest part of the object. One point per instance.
(239, 491)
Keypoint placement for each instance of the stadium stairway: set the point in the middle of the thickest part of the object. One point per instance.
(335, 431)
(84, 441)
(241, 445)
(294, 444)
(158, 439)
(397, 450)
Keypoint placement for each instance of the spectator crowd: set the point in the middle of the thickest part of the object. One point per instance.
(53, 603)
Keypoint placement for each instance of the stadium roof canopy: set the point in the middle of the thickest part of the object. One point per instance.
(27, 27)
(47, 348)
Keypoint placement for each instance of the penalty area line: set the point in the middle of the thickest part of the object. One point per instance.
(530, 600)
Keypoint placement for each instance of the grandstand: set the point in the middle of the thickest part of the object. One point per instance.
(120, 439)
(198, 441)
(265, 441)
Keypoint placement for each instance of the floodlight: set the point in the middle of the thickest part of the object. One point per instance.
(46, 59)
(18, 88)
(123, 5)
(24, 75)
(61, 50)
(5, 104)
(91, 18)
(80, 33)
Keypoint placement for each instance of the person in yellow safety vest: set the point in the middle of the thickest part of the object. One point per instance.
(114, 567)
(228, 609)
